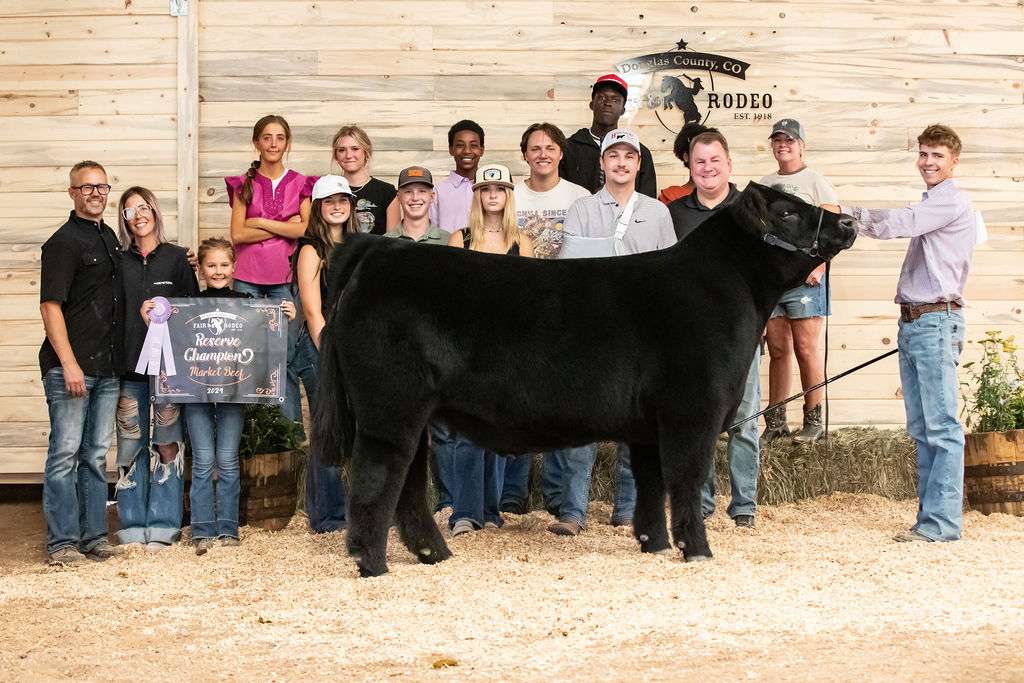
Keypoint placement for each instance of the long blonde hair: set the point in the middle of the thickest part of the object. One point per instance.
(509, 222)
(362, 139)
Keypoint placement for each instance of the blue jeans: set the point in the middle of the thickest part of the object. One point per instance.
(214, 430)
(566, 482)
(74, 480)
(516, 490)
(149, 491)
(476, 486)
(625, 487)
(325, 493)
(744, 454)
(930, 350)
(442, 466)
(292, 406)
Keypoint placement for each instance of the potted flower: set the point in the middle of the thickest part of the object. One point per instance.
(269, 462)
(993, 411)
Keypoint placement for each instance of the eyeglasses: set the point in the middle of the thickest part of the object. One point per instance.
(140, 210)
(89, 189)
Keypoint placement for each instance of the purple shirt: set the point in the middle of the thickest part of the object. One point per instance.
(452, 198)
(942, 231)
(268, 262)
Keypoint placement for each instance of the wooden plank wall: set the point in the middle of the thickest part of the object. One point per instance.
(97, 78)
(79, 79)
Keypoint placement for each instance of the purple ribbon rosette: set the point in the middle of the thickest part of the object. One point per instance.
(158, 341)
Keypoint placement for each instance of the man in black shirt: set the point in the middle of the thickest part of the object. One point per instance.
(581, 162)
(81, 361)
(710, 166)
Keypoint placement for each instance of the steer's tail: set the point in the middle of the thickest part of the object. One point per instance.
(333, 425)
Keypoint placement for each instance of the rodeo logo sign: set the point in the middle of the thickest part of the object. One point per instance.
(692, 95)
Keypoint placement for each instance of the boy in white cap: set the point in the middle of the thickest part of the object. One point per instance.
(580, 163)
(638, 223)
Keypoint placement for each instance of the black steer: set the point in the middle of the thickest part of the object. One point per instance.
(524, 355)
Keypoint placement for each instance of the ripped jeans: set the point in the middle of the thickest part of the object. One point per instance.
(150, 493)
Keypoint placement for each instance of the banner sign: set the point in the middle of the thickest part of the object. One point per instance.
(230, 350)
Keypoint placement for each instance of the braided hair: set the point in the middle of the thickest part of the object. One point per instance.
(257, 131)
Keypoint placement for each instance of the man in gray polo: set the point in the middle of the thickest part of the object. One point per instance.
(632, 223)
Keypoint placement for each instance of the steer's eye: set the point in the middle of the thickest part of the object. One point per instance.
(786, 213)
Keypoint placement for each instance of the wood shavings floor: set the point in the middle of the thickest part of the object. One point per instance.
(818, 591)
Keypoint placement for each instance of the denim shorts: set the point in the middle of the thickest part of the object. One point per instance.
(805, 301)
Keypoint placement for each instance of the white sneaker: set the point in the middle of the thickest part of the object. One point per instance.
(156, 546)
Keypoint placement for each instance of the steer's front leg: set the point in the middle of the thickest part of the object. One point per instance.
(686, 461)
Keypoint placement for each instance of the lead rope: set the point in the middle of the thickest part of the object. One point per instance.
(828, 311)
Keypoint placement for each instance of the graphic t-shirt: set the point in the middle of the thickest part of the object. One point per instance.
(541, 214)
(372, 202)
(807, 184)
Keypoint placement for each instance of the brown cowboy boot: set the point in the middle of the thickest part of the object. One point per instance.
(812, 430)
(774, 425)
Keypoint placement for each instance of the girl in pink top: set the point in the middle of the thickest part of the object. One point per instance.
(269, 212)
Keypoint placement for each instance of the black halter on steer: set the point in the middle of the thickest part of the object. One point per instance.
(812, 250)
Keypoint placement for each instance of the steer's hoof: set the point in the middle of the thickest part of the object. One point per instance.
(433, 556)
(698, 558)
(665, 552)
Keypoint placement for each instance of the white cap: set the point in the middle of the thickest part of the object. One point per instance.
(623, 136)
(329, 185)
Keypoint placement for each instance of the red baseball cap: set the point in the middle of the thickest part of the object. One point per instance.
(611, 81)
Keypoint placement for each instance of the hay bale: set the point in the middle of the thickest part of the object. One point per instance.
(851, 460)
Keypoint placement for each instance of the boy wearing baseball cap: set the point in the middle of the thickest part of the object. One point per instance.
(580, 164)
(635, 223)
(415, 193)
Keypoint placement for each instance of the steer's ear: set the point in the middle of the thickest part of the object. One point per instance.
(752, 208)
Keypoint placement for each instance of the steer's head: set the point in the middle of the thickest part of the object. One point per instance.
(787, 222)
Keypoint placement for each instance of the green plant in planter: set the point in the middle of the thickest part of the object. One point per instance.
(267, 431)
(994, 390)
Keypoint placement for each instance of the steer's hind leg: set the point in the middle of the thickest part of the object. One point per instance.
(686, 459)
(415, 523)
(378, 473)
(649, 525)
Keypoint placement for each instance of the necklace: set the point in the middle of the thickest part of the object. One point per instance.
(490, 230)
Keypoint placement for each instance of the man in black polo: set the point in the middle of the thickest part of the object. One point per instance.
(710, 166)
(581, 163)
(81, 362)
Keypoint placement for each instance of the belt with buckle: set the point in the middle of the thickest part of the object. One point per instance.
(909, 312)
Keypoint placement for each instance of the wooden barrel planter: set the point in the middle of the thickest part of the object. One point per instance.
(269, 489)
(994, 471)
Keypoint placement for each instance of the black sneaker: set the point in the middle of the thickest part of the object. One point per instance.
(513, 508)
(744, 521)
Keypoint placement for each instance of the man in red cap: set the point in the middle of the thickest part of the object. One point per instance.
(581, 163)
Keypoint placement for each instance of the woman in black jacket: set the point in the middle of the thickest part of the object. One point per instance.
(150, 485)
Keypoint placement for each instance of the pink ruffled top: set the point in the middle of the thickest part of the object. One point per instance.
(267, 262)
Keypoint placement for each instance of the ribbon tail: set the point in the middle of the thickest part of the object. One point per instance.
(168, 354)
(145, 358)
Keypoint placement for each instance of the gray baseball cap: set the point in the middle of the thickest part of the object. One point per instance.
(790, 127)
(415, 174)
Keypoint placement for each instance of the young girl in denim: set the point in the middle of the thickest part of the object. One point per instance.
(332, 216)
(149, 488)
(269, 212)
(215, 429)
